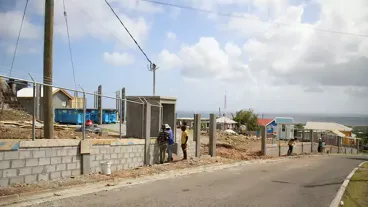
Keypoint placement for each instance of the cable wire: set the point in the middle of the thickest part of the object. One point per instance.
(243, 17)
(70, 48)
(129, 33)
(20, 31)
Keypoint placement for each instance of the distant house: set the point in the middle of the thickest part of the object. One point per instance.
(280, 127)
(225, 123)
(205, 122)
(335, 128)
(61, 99)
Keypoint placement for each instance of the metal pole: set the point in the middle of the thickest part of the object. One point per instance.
(47, 70)
(34, 112)
(99, 104)
(121, 117)
(154, 81)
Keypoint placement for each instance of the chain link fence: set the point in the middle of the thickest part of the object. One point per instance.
(22, 111)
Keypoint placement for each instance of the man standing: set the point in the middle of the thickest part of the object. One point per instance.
(163, 139)
(171, 142)
(184, 141)
(291, 146)
(320, 145)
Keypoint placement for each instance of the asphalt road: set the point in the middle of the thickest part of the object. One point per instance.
(296, 182)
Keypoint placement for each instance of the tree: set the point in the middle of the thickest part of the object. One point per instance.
(247, 118)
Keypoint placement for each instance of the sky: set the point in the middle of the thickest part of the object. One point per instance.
(274, 56)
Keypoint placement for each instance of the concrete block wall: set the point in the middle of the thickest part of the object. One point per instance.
(299, 148)
(121, 157)
(32, 165)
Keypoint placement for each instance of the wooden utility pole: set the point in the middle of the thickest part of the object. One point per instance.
(48, 128)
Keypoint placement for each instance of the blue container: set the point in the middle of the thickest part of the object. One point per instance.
(70, 116)
(110, 115)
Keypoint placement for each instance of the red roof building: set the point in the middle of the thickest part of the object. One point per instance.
(264, 122)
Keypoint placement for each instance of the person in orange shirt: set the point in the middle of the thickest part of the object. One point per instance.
(184, 141)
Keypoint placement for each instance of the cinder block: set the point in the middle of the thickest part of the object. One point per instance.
(16, 180)
(115, 162)
(114, 156)
(39, 153)
(119, 167)
(1, 173)
(30, 179)
(117, 150)
(71, 166)
(50, 168)
(62, 152)
(60, 167)
(122, 161)
(43, 177)
(51, 153)
(126, 166)
(37, 170)
(31, 162)
(11, 155)
(66, 173)
(44, 161)
(4, 182)
(126, 155)
(113, 168)
(4, 165)
(78, 165)
(72, 152)
(55, 175)
(55, 160)
(25, 171)
(1, 155)
(135, 159)
(9, 173)
(120, 155)
(76, 172)
(98, 157)
(130, 149)
(67, 159)
(131, 154)
(106, 156)
(76, 158)
(95, 151)
(24, 154)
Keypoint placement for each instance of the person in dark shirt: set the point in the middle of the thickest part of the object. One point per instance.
(163, 139)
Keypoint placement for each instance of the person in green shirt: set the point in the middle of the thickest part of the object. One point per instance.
(320, 143)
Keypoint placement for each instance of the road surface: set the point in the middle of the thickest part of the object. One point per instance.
(295, 182)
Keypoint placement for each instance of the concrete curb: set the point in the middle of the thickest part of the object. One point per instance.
(336, 201)
(34, 198)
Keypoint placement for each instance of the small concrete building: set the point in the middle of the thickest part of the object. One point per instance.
(61, 99)
(163, 111)
(279, 127)
(224, 123)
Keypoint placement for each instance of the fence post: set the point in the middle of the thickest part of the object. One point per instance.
(147, 135)
(311, 139)
(357, 145)
(263, 144)
(84, 115)
(212, 147)
(302, 147)
(197, 134)
(338, 145)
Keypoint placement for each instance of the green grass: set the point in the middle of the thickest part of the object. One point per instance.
(357, 190)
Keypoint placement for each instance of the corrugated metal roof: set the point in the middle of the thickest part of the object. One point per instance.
(225, 120)
(28, 92)
(338, 133)
(330, 126)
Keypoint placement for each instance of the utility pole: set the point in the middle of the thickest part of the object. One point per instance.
(153, 68)
(48, 129)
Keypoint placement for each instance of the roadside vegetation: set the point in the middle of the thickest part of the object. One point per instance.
(357, 190)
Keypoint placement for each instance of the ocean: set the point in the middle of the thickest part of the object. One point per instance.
(348, 120)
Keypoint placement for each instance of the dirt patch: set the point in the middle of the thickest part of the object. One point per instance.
(14, 115)
(116, 176)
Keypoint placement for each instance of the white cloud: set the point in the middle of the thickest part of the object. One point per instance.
(232, 49)
(94, 18)
(167, 60)
(10, 25)
(171, 36)
(118, 59)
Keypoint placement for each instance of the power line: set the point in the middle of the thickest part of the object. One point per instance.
(129, 33)
(243, 17)
(70, 48)
(20, 30)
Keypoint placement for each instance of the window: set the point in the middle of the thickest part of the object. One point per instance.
(283, 127)
(63, 103)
